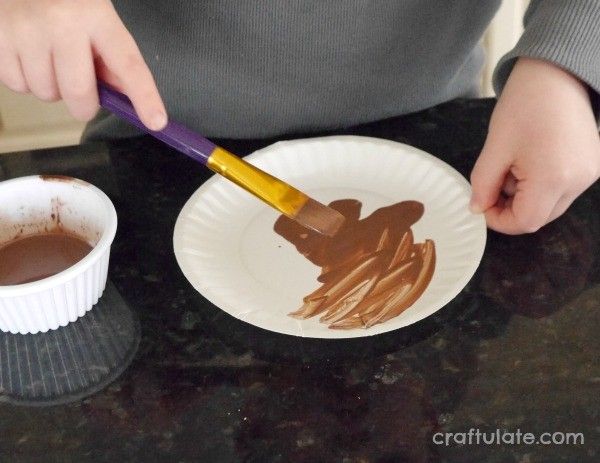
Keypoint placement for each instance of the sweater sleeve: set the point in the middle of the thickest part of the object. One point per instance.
(564, 32)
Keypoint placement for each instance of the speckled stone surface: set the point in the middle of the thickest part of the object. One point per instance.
(518, 349)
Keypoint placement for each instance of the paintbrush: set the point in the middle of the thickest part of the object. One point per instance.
(276, 193)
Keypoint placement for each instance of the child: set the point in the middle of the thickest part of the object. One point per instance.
(257, 68)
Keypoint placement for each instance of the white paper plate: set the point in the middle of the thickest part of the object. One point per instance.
(225, 243)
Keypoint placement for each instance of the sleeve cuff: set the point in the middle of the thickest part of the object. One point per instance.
(564, 32)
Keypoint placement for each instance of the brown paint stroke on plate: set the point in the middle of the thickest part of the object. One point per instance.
(371, 270)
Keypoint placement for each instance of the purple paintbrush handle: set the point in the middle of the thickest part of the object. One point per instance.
(175, 135)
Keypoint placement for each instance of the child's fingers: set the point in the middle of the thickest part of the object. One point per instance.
(561, 206)
(54, 55)
(11, 73)
(120, 54)
(526, 212)
(509, 188)
(38, 70)
(39, 75)
(105, 74)
(76, 78)
(487, 178)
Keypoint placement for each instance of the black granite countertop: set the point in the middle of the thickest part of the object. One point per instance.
(517, 350)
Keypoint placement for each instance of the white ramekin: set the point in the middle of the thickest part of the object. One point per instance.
(30, 205)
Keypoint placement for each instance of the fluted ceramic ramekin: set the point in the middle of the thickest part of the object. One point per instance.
(30, 205)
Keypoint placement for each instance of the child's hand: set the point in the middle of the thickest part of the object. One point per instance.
(541, 152)
(55, 48)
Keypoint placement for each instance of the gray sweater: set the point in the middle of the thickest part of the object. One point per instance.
(257, 68)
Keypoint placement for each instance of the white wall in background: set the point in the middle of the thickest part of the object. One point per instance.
(26, 123)
(501, 36)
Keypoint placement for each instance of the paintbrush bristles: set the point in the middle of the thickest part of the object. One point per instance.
(319, 217)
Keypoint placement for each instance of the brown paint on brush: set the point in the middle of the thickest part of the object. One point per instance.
(39, 256)
(319, 218)
(371, 270)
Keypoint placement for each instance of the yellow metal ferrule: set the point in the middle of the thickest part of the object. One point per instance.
(271, 190)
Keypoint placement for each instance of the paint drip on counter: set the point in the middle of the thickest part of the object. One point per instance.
(371, 270)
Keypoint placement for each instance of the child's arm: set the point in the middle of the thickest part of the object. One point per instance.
(55, 48)
(543, 147)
